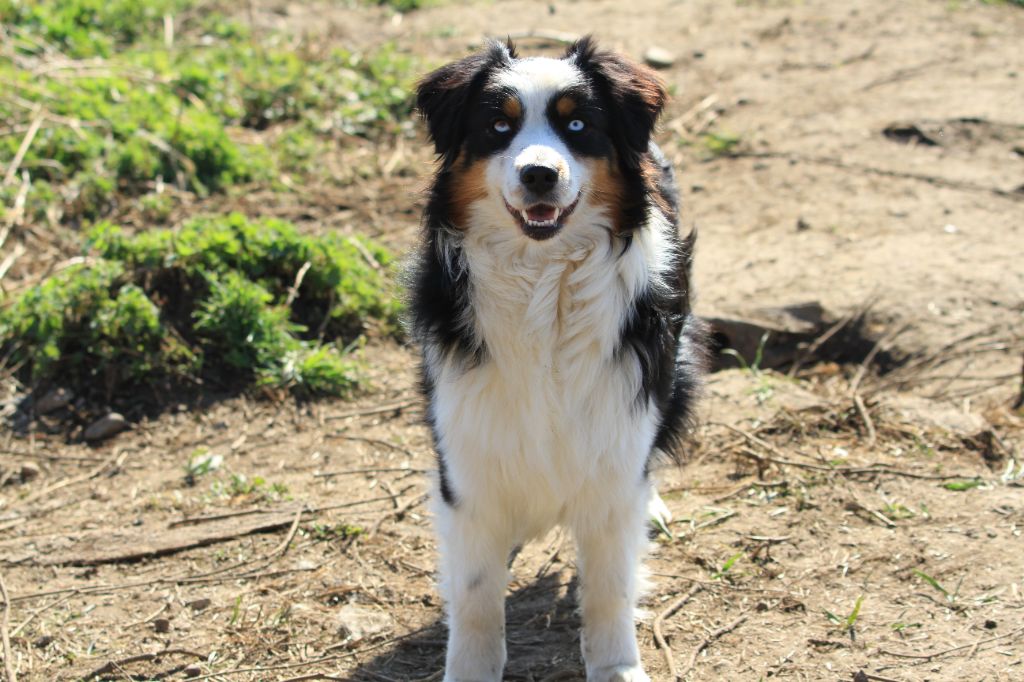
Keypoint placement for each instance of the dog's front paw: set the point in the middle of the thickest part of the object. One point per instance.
(619, 673)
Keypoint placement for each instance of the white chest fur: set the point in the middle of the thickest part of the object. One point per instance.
(551, 413)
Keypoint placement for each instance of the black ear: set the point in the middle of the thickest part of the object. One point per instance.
(444, 96)
(637, 92)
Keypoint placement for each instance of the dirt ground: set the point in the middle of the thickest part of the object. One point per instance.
(859, 518)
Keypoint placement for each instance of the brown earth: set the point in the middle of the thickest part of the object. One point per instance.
(803, 497)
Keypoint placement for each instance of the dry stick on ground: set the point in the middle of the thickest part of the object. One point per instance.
(372, 470)
(4, 635)
(938, 181)
(111, 666)
(371, 441)
(829, 333)
(283, 547)
(381, 409)
(294, 290)
(778, 458)
(862, 409)
(924, 658)
(397, 512)
(870, 357)
(659, 638)
(74, 480)
(708, 641)
(33, 614)
(26, 142)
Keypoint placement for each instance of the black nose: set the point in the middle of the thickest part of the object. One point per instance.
(538, 179)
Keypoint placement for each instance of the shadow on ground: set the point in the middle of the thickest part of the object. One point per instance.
(542, 635)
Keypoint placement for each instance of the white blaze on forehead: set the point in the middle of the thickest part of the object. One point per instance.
(537, 79)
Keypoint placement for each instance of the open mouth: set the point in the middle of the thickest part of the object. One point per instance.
(541, 221)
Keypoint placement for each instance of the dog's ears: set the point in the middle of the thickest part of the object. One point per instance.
(637, 91)
(443, 96)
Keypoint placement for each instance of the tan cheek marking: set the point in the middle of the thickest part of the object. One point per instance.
(606, 188)
(565, 106)
(469, 185)
(512, 108)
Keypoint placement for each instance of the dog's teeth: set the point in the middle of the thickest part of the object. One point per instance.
(526, 216)
(558, 212)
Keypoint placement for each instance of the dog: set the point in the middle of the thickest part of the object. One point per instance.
(550, 298)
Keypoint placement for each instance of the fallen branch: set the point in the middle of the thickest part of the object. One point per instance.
(862, 409)
(929, 657)
(381, 409)
(778, 458)
(398, 512)
(659, 638)
(113, 666)
(93, 473)
(371, 470)
(708, 641)
(283, 547)
(26, 142)
(5, 635)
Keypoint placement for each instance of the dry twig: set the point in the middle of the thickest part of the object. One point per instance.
(659, 638)
(708, 641)
(4, 635)
(929, 657)
(381, 409)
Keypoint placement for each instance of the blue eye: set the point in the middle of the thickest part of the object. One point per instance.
(576, 125)
(501, 126)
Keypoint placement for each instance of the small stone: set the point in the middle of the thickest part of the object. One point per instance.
(42, 642)
(199, 604)
(191, 671)
(106, 427)
(358, 623)
(659, 57)
(802, 225)
(161, 626)
(29, 471)
(53, 400)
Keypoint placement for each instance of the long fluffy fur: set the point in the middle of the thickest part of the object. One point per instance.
(554, 370)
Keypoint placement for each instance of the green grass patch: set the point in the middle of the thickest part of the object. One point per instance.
(961, 486)
(118, 110)
(222, 301)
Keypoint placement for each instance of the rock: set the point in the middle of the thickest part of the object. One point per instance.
(53, 400)
(199, 604)
(29, 471)
(106, 427)
(161, 626)
(659, 57)
(358, 623)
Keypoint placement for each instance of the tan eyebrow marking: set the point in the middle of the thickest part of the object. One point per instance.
(512, 107)
(565, 106)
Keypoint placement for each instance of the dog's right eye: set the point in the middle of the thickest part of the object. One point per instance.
(501, 126)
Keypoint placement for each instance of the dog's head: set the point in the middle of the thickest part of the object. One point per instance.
(536, 140)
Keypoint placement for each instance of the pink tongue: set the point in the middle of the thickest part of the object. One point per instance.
(541, 213)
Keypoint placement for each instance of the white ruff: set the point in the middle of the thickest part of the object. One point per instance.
(549, 419)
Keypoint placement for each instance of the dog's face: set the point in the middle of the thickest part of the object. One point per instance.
(537, 141)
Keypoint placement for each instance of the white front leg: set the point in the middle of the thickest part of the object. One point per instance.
(611, 542)
(473, 577)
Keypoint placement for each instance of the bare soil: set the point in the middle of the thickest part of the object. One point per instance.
(859, 520)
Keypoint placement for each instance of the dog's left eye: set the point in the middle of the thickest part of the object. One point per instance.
(501, 126)
(576, 125)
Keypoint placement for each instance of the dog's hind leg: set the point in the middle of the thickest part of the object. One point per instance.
(611, 541)
(474, 576)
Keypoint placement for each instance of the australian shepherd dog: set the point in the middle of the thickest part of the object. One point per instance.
(551, 299)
